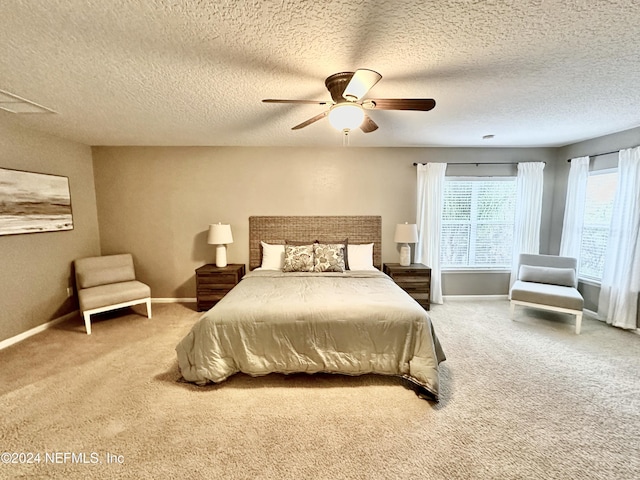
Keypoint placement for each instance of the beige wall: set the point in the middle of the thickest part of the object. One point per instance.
(36, 267)
(157, 202)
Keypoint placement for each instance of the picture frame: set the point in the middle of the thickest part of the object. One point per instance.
(33, 202)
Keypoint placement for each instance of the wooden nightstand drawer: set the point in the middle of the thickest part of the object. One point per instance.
(213, 283)
(408, 277)
(219, 279)
(415, 287)
(213, 289)
(414, 279)
(211, 296)
(421, 297)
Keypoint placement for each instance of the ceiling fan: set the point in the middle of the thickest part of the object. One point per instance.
(347, 107)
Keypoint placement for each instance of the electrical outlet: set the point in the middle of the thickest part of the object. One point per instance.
(69, 292)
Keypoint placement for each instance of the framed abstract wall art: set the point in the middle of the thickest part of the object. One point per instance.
(34, 202)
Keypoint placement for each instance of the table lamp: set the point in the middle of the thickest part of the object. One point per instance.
(405, 234)
(220, 235)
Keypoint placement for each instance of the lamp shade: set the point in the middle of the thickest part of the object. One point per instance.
(406, 233)
(220, 234)
(346, 116)
(361, 82)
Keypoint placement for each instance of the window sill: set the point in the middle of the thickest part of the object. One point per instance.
(590, 281)
(476, 270)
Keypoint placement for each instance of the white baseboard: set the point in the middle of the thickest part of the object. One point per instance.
(474, 297)
(591, 313)
(174, 300)
(40, 328)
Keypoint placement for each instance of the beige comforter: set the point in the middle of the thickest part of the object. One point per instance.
(350, 323)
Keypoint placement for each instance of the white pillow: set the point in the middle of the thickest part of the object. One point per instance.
(272, 256)
(360, 257)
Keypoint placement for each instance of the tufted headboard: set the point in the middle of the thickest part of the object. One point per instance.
(358, 229)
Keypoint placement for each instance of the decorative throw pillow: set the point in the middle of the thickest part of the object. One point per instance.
(344, 243)
(94, 278)
(328, 257)
(565, 277)
(298, 258)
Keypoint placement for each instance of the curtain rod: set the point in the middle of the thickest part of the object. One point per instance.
(476, 163)
(597, 154)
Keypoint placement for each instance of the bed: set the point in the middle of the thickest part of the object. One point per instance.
(344, 318)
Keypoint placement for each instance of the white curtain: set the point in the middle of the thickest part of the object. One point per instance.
(618, 303)
(571, 240)
(526, 231)
(429, 222)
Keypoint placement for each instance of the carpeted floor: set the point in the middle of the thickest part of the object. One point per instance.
(524, 399)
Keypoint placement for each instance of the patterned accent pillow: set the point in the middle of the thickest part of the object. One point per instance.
(298, 258)
(328, 257)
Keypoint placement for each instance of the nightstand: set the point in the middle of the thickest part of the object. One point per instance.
(414, 279)
(213, 283)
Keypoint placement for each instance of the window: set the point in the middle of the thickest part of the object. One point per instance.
(477, 222)
(601, 187)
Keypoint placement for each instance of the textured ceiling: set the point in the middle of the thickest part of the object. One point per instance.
(151, 72)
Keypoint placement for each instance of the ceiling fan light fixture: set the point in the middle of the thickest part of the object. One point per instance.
(346, 116)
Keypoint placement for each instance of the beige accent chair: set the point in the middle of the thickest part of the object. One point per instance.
(108, 283)
(548, 282)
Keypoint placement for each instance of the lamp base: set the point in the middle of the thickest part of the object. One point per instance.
(405, 255)
(221, 255)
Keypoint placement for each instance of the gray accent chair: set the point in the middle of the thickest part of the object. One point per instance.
(108, 283)
(548, 282)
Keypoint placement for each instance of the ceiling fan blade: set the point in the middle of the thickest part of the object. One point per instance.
(311, 120)
(368, 125)
(422, 104)
(312, 102)
(362, 81)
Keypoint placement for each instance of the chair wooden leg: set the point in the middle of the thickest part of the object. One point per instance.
(87, 322)
(578, 323)
(512, 311)
(148, 308)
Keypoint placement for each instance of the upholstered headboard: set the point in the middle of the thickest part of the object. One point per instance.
(358, 229)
